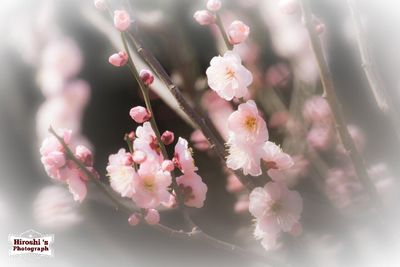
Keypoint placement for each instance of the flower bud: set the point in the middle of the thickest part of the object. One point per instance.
(134, 219)
(152, 216)
(147, 77)
(238, 32)
(122, 20)
(213, 5)
(128, 160)
(139, 114)
(204, 17)
(167, 137)
(118, 59)
(168, 165)
(139, 157)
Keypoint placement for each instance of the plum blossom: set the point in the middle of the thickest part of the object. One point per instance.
(276, 209)
(120, 173)
(122, 20)
(60, 168)
(183, 158)
(150, 185)
(228, 77)
(317, 110)
(146, 141)
(193, 188)
(134, 219)
(247, 125)
(167, 138)
(238, 32)
(275, 159)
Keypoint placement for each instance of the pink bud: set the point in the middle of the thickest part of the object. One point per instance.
(238, 32)
(204, 17)
(121, 20)
(152, 216)
(84, 155)
(147, 77)
(118, 59)
(100, 5)
(167, 137)
(320, 28)
(168, 165)
(134, 219)
(289, 6)
(139, 114)
(213, 5)
(139, 157)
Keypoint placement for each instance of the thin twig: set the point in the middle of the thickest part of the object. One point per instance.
(382, 98)
(221, 28)
(333, 101)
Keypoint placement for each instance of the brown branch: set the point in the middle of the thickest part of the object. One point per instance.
(336, 107)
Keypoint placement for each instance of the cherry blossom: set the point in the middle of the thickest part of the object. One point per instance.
(275, 159)
(193, 189)
(228, 77)
(146, 141)
(183, 158)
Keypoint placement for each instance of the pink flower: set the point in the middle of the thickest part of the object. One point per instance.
(167, 138)
(238, 32)
(320, 136)
(122, 20)
(275, 159)
(147, 77)
(121, 174)
(152, 216)
(244, 156)
(289, 6)
(247, 125)
(139, 114)
(193, 189)
(118, 59)
(146, 142)
(276, 208)
(213, 5)
(183, 158)
(52, 154)
(76, 185)
(228, 77)
(268, 241)
(204, 17)
(84, 155)
(151, 185)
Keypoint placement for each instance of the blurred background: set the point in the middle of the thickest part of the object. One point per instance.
(41, 39)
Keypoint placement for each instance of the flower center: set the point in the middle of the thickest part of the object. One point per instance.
(276, 207)
(148, 184)
(230, 74)
(187, 192)
(251, 124)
